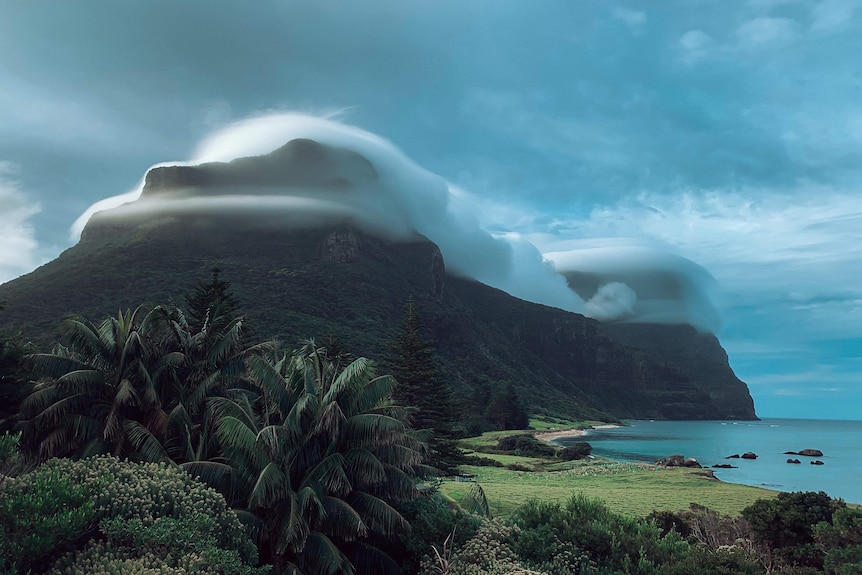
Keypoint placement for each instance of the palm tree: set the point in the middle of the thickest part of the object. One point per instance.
(206, 363)
(314, 460)
(99, 393)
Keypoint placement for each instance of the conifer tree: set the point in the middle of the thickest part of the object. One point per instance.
(211, 298)
(506, 410)
(421, 386)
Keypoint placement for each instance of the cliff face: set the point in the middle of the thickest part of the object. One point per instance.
(336, 279)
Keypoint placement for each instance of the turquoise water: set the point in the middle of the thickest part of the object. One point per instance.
(711, 442)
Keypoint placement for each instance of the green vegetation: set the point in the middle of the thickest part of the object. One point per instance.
(420, 385)
(83, 515)
(245, 458)
(14, 386)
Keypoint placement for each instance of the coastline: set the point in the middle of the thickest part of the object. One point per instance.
(551, 436)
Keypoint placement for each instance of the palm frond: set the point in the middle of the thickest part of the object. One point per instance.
(342, 520)
(216, 474)
(270, 486)
(364, 466)
(373, 429)
(328, 472)
(377, 514)
(324, 557)
(350, 377)
(144, 442)
(236, 435)
(52, 365)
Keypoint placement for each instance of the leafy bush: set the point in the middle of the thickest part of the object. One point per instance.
(841, 541)
(481, 461)
(486, 553)
(613, 542)
(526, 445)
(432, 521)
(141, 512)
(42, 514)
(575, 451)
(786, 525)
(519, 467)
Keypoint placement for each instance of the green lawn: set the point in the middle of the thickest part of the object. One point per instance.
(630, 488)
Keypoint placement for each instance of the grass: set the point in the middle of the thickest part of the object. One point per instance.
(634, 489)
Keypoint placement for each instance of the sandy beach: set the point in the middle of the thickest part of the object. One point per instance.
(552, 435)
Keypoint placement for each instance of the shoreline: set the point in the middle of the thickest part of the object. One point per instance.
(551, 436)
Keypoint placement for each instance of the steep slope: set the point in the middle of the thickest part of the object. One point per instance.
(333, 278)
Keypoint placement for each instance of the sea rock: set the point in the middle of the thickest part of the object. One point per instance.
(734, 456)
(811, 453)
(725, 466)
(794, 461)
(749, 455)
(679, 461)
(790, 453)
(816, 462)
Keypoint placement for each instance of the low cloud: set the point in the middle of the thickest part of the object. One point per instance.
(18, 245)
(401, 199)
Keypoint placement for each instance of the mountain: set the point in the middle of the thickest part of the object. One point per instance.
(335, 276)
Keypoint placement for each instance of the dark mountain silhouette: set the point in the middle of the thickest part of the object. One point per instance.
(332, 277)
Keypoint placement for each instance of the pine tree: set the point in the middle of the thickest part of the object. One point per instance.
(421, 386)
(211, 300)
(506, 411)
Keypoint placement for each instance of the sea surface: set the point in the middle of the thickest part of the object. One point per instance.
(710, 442)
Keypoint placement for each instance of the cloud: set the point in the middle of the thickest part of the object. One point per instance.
(396, 196)
(767, 32)
(695, 44)
(18, 243)
(612, 301)
(622, 280)
(832, 15)
(634, 19)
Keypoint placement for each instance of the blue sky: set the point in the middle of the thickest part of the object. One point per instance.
(727, 133)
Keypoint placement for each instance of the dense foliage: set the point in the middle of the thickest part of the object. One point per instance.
(420, 385)
(525, 444)
(242, 457)
(307, 446)
(86, 515)
(14, 386)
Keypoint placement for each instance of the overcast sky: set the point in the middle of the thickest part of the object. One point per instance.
(726, 132)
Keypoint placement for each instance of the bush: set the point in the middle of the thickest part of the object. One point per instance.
(486, 553)
(481, 461)
(615, 543)
(519, 467)
(786, 525)
(138, 510)
(575, 451)
(431, 522)
(525, 445)
(42, 514)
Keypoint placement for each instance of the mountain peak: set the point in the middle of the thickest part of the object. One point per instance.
(301, 163)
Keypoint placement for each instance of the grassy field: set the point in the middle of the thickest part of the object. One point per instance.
(630, 488)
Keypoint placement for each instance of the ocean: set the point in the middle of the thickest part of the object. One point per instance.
(710, 442)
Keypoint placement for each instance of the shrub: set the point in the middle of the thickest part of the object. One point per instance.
(786, 525)
(138, 510)
(615, 543)
(526, 445)
(432, 521)
(486, 553)
(575, 451)
(481, 461)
